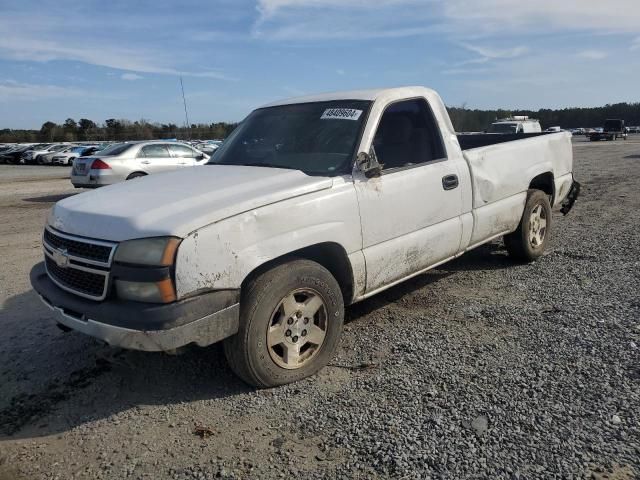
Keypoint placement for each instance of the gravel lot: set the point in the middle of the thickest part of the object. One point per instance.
(478, 369)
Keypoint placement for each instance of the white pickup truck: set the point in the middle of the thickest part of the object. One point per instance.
(311, 204)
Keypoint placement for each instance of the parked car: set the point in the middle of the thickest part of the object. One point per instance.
(33, 155)
(47, 158)
(312, 204)
(207, 148)
(126, 161)
(5, 149)
(553, 130)
(67, 158)
(14, 155)
(27, 155)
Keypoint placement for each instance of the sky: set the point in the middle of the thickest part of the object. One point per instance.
(124, 58)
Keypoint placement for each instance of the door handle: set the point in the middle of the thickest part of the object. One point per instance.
(145, 162)
(449, 182)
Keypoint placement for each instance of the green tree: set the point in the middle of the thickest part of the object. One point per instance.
(48, 131)
(86, 128)
(70, 128)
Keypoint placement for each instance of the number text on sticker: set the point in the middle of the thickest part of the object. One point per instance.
(341, 114)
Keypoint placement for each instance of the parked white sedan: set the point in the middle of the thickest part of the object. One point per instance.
(125, 161)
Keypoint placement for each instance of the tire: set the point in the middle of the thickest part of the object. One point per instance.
(136, 175)
(532, 236)
(273, 321)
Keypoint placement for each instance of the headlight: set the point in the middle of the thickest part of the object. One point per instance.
(152, 292)
(158, 251)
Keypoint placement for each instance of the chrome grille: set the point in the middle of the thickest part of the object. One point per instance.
(87, 283)
(82, 249)
(78, 265)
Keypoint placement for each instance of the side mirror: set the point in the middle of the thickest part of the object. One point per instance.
(368, 164)
(200, 157)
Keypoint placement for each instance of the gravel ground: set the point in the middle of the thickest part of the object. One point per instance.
(478, 369)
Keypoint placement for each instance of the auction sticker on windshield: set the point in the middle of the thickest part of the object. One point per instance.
(341, 114)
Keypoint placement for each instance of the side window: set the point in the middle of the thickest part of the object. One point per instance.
(181, 151)
(408, 134)
(154, 151)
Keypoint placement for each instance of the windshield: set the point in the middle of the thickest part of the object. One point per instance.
(317, 138)
(503, 128)
(115, 149)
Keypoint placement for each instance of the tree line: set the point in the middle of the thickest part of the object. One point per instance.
(116, 129)
(464, 120)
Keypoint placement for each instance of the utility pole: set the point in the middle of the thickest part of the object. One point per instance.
(186, 115)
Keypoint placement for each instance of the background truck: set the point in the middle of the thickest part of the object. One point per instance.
(311, 204)
(613, 128)
(516, 124)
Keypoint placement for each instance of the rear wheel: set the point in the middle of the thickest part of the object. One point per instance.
(533, 234)
(291, 319)
(136, 175)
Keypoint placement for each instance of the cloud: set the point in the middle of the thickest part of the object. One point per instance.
(39, 40)
(268, 8)
(131, 76)
(593, 54)
(284, 20)
(493, 53)
(341, 19)
(12, 90)
(506, 16)
(467, 71)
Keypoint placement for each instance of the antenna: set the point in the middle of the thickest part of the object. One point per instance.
(186, 115)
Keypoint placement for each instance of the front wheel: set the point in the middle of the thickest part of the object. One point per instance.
(291, 319)
(533, 234)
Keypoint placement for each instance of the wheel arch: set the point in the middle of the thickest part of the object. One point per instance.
(330, 255)
(544, 182)
(137, 173)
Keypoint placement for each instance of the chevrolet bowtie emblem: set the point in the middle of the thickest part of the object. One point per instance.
(61, 257)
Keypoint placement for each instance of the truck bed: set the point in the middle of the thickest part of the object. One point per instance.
(476, 140)
(504, 168)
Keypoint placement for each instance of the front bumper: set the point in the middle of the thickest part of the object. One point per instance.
(202, 320)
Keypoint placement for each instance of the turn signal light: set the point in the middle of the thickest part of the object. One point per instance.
(98, 164)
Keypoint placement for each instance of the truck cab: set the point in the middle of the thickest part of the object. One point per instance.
(516, 124)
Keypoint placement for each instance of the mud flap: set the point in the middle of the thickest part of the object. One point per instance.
(572, 196)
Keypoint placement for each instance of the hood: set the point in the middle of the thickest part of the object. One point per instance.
(177, 203)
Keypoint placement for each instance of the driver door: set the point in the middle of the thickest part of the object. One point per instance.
(410, 214)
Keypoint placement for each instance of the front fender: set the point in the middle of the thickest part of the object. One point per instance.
(221, 255)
